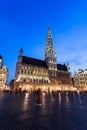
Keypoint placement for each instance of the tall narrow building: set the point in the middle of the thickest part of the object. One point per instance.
(33, 73)
(3, 75)
(50, 57)
(50, 54)
(80, 79)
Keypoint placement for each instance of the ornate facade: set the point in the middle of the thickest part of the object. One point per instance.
(80, 79)
(34, 73)
(3, 75)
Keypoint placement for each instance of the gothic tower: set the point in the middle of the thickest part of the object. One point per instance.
(50, 54)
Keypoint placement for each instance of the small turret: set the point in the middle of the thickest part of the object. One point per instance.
(1, 62)
(20, 55)
(21, 52)
(74, 72)
(68, 66)
(80, 70)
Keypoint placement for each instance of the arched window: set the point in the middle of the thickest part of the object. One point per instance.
(22, 71)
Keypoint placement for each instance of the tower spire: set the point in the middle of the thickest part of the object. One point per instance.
(49, 37)
(49, 31)
(50, 54)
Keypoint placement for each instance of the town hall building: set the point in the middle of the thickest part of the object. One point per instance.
(46, 74)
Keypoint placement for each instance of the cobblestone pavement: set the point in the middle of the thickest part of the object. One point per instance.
(57, 111)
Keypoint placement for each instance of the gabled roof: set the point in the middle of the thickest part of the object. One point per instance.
(33, 61)
(62, 67)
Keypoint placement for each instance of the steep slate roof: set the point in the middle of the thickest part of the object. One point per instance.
(32, 61)
(61, 67)
(40, 63)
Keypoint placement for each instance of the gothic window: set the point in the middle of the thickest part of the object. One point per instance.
(31, 72)
(24, 79)
(43, 81)
(33, 80)
(54, 60)
(36, 80)
(22, 71)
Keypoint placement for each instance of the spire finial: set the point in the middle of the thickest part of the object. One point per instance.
(21, 52)
(49, 28)
(67, 63)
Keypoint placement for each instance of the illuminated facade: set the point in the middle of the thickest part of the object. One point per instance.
(33, 73)
(80, 79)
(3, 75)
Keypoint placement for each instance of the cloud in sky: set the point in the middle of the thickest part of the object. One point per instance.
(72, 46)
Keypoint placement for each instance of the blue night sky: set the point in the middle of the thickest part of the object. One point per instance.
(24, 23)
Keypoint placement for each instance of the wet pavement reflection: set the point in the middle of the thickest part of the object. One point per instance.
(43, 111)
